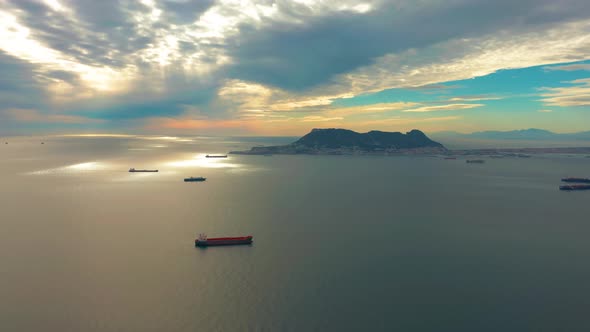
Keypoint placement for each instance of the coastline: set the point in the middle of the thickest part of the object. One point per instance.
(493, 152)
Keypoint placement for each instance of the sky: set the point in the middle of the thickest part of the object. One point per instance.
(281, 68)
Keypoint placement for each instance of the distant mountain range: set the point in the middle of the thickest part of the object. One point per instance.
(524, 135)
(343, 141)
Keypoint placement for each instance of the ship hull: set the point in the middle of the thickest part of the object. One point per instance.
(223, 241)
(574, 187)
(576, 180)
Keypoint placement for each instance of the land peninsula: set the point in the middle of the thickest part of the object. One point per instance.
(343, 141)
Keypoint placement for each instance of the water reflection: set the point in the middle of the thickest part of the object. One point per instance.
(89, 166)
(98, 135)
(160, 138)
(74, 168)
(165, 138)
(137, 176)
(201, 160)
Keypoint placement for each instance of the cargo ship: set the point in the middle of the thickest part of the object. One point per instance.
(203, 241)
(133, 170)
(576, 180)
(216, 156)
(575, 187)
(475, 161)
(195, 179)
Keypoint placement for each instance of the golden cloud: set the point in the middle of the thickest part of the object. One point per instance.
(448, 107)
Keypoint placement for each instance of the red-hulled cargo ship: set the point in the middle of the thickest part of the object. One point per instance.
(203, 241)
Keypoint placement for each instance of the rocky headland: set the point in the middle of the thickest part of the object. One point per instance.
(343, 141)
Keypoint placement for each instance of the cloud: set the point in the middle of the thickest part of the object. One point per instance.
(20, 41)
(297, 56)
(440, 118)
(417, 120)
(397, 123)
(254, 100)
(366, 110)
(460, 59)
(18, 87)
(474, 98)
(185, 12)
(574, 67)
(374, 108)
(34, 116)
(576, 95)
(457, 59)
(170, 123)
(545, 111)
(448, 107)
(433, 87)
(216, 60)
(316, 118)
(297, 104)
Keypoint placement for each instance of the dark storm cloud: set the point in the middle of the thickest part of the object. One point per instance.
(297, 58)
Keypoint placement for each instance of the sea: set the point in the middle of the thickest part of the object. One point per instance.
(341, 243)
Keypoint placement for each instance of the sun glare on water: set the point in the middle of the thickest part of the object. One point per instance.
(201, 160)
(89, 166)
(74, 168)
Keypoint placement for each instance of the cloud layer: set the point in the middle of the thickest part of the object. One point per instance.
(250, 65)
(576, 95)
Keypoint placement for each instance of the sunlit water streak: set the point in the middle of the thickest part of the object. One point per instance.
(200, 160)
(90, 166)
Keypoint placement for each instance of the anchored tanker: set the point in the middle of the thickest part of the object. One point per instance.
(576, 180)
(203, 241)
(575, 187)
(195, 179)
(133, 170)
(216, 156)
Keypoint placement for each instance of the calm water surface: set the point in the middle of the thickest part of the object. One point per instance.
(340, 243)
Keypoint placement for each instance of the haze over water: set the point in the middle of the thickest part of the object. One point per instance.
(340, 242)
